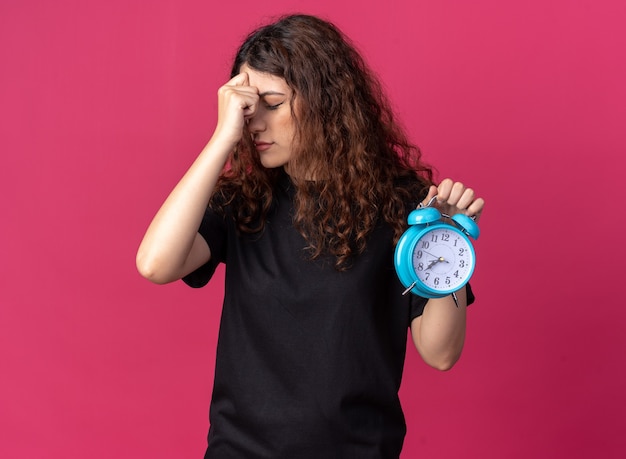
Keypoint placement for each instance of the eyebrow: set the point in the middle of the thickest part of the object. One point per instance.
(271, 93)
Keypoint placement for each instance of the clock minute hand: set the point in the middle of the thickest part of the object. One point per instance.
(435, 256)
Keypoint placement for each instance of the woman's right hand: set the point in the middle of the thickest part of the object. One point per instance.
(237, 102)
(172, 247)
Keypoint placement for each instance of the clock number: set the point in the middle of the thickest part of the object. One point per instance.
(461, 252)
(419, 254)
(434, 238)
(425, 244)
(420, 266)
(445, 237)
(448, 280)
(461, 264)
(436, 281)
(456, 273)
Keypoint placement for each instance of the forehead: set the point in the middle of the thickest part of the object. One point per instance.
(266, 82)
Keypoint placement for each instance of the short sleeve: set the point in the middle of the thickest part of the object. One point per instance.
(418, 303)
(213, 230)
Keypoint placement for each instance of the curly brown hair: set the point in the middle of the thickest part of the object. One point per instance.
(346, 137)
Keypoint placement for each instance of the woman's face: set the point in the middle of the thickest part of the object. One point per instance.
(272, 126)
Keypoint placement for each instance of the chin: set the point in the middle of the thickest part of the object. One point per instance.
(269, 164)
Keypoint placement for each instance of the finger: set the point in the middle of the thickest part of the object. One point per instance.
(228, 92)
(249, 107)
(456, 192)
(443, 190)
(476, 208)
(239, 80)
(432, 191)
(466, 199)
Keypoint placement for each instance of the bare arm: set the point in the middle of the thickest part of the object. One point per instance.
(439, 333)
(172, 247)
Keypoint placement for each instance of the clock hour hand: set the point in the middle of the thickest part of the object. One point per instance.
(431, 264)
(434, 262)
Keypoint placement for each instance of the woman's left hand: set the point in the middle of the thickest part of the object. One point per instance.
(455, 198)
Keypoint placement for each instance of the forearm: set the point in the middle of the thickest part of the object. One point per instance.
(439, 333)
(164, 253)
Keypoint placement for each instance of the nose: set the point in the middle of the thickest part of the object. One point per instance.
(256, 123)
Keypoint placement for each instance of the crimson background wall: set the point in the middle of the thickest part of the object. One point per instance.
(104, 104)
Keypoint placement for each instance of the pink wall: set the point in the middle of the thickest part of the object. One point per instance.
(104, 104)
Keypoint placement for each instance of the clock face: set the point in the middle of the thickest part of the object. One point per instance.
(443, 259)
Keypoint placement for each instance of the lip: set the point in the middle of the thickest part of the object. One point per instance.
(262, 146)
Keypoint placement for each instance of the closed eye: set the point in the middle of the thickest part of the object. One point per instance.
(274, 107)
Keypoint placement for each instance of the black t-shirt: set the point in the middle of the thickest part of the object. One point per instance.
(309, 359)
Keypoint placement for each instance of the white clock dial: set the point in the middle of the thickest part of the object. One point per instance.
(443, 259)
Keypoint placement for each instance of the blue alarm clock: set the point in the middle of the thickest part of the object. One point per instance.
(433, 258)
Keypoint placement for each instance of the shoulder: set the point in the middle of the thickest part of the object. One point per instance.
(411, 188)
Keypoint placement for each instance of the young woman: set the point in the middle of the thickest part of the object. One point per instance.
(303, 191)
